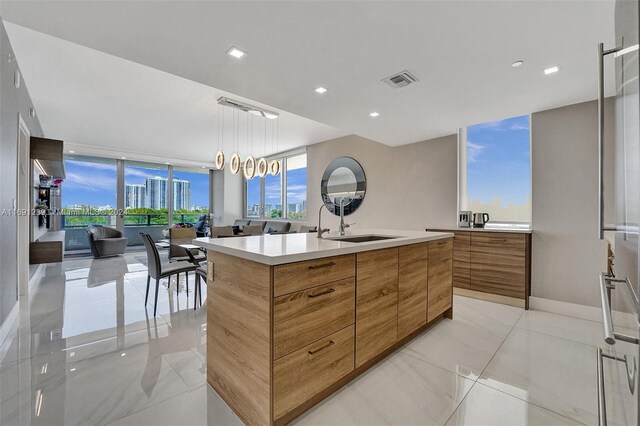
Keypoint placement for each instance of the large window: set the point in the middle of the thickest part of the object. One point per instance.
(155, 196)
(273, 196)
(297, 187)
(495, 170)
(279, 196)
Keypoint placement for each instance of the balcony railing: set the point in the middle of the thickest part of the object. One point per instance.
(151, 223)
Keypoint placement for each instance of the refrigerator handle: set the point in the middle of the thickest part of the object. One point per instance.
(601, 55)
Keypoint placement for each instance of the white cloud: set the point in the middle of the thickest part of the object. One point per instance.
(95, 182)
(518, 126)
(474, 151)
(95, 166)
(138, 173)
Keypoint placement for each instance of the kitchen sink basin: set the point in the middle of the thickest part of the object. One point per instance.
(362, 238)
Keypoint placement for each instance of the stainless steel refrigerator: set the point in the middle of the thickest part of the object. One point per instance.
(617, 358)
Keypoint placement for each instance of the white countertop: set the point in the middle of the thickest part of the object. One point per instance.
(510, 229)
(286, 248)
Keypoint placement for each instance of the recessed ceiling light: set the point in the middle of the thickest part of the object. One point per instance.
(517, 64)
(551, 70)
(123, 158)
(204, 167)
(374, 114)
(320, 90)
(166, 162)
(72, 152)
(236, 53)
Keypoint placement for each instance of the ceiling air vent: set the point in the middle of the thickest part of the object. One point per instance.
(401, 79)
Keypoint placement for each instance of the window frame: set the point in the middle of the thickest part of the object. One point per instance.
(283, 158)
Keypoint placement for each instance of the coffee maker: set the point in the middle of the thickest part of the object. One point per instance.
(464, 219)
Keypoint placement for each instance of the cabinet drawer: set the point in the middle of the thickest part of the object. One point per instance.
(498, 243)
(305, 316)
(298, 276)
(307, 371)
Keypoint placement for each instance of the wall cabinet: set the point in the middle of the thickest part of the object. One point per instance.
(493, 263)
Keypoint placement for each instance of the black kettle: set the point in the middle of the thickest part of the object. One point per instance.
(480, 219)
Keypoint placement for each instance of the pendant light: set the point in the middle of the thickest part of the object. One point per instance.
(236, 161)
(249, 167)
(274, 166)
(220, 153)
(263, 167)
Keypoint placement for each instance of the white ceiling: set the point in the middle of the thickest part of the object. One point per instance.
(104, 105)
(460, 50)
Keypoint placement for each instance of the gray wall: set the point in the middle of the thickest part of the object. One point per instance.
(13, 101)
(566, 254)
(415, 186)
(409, 187)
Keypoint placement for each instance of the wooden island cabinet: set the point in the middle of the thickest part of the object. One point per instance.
(492, 265)
(282, 337)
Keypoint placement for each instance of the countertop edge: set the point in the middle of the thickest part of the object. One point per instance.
(505, 230)
(336, 251)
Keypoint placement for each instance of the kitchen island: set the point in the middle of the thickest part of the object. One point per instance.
(291, 318)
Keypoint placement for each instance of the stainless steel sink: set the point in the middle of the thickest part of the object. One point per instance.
(362, 238)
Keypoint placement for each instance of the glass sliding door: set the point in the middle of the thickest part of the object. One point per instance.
(190, 194)
(88, 198)
(146, 200)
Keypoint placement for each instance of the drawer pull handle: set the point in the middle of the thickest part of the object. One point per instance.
(323, 265)
(322, 293)
(315, 351)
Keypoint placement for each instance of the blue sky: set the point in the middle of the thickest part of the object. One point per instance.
(498, 161)
(90, 183)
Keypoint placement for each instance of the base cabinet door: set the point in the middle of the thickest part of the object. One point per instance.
(413, 264)
(440, 291)
(498, 263)
(462, 260)
(302, 374)
(376, 302)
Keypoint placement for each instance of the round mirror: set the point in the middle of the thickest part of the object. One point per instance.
(343, 185)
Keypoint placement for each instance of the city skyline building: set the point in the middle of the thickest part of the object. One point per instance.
(134, 196)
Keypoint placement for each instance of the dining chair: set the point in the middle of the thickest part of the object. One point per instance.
(158, 270)
(177, 253)
(252, 229)
(221, 231)
(201, 272)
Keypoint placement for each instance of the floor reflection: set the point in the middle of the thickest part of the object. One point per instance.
(87, 350)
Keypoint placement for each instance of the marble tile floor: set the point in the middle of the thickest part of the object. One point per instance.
(85, 350)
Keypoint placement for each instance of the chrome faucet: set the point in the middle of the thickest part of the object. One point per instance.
(321, 230)
(342, 225)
